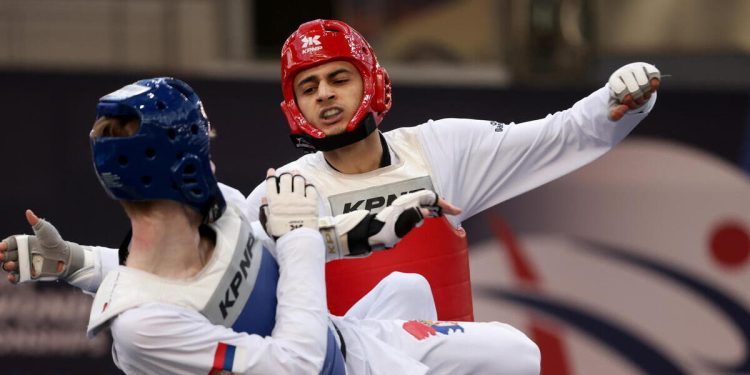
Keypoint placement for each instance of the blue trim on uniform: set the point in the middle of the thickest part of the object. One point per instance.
(334, 362)
(259, 314)
(229, 357)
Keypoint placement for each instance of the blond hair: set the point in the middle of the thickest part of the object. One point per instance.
(115, 127)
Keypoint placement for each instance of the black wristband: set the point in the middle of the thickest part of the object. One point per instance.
(357, 238)
(407, 220)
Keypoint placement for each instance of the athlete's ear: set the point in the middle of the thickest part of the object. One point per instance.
(213, 167)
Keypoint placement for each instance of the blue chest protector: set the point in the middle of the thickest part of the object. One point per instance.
(247, 302)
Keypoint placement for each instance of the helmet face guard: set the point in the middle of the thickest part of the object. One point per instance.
(168, 158)
(321, 41)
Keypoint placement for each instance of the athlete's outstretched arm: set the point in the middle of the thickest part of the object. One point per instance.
(482, 163)
(45, 256)
(82, 266)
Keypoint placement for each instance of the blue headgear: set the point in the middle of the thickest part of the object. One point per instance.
(168, 158)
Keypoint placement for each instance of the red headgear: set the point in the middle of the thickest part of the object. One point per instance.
(321, 41)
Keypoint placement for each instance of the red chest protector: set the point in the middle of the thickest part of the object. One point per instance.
(436, 250)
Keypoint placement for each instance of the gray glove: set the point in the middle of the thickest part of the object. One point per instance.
(44, 256)
(358, 233)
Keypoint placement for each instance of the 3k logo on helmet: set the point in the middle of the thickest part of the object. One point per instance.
(311, 43)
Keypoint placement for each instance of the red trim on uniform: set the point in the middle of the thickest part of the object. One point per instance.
(218, 366)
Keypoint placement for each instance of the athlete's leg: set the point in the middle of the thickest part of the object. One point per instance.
(462, 347)
(398, 296)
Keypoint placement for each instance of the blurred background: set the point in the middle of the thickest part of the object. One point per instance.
(636, 264)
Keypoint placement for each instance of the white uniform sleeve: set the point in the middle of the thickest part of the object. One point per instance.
(99, 261)
(232, 196)
(253, 202)
(479, 164)
(166, 339)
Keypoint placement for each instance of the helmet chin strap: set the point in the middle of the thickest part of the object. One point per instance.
(309, 144)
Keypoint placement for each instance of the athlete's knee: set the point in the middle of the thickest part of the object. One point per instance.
(519, 355)
(482, 348)
(495, 348)
(412, 293)
(408, 283)
(409, 286)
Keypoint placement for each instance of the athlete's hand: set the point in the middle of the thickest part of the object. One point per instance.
(43, 256)
(290, 203)
(630, 87)
(358, 233)
(405, 213)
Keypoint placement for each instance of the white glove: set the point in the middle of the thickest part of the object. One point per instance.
(44, 256)
(358, 233)
(291, 204)
(632, 79)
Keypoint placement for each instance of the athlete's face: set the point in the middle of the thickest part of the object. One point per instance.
(328, 95)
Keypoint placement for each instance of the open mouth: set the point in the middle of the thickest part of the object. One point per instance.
(331, 115)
